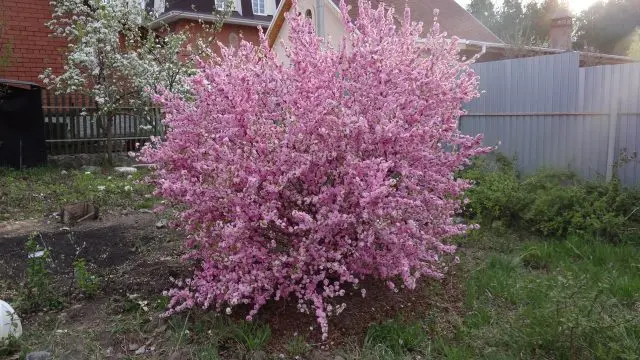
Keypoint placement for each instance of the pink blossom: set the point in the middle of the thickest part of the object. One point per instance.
(300, 180)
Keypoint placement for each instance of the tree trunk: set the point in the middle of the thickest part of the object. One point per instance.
(109, 133)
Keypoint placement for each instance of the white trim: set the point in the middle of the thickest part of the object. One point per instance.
(281, 5)
(335, 7)
(275, 16)
(172, 16)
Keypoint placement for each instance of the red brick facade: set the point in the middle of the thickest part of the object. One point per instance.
(33, 50)
(228, 34)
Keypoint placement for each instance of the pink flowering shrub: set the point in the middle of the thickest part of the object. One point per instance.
(300, 180)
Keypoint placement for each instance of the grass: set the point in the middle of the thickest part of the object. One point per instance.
(538, 299)
(522, 298)
(38, 192)
(251, 336)
(527, 298)
(297, 346)
(395, 336)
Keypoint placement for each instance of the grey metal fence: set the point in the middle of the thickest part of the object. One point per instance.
(549, 112)
(72, 127)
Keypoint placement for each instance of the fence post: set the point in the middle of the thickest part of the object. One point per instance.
(614, 99)
(613, 125)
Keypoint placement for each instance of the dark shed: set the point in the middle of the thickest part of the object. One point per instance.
(22, 141)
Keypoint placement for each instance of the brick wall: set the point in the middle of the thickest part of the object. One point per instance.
(226, 34)
(33, 50)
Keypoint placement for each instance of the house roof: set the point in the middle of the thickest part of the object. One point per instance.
(586, 58)
(452, 17)
(19, 83)
(204, 10)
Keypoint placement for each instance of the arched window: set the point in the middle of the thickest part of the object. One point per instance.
(308, 14)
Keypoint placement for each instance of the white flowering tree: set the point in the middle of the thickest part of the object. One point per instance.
(117, 60)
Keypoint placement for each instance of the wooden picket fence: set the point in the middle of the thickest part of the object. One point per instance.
(72, 127)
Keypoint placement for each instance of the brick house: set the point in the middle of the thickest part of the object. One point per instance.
(22, 26)
(245, 19)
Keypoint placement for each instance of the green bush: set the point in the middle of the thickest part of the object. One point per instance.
(551, 203)
(495, 195)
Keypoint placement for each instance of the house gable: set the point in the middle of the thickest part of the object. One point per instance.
(326, 17)
(453, 19)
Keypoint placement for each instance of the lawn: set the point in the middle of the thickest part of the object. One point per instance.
(536, 298)
(39, 192)
(513, 295)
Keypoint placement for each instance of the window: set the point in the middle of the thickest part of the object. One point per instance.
(258, 7)
(308, 14)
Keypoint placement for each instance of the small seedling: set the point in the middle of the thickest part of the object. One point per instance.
(88, 283)
(133, 303)
(38, 291)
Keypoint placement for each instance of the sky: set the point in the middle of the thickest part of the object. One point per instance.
(575, 5)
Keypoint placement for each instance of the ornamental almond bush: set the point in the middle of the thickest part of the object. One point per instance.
(300, 180)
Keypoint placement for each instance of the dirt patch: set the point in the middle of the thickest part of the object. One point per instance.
(103, 244)
(350, 327)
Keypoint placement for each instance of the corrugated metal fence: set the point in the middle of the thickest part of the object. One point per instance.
(71, 126)
(549, 112)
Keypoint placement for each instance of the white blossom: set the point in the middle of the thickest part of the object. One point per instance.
(113, 59)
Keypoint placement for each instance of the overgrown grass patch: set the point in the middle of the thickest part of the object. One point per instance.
(573, 299)
(396, 336)
(41, 191)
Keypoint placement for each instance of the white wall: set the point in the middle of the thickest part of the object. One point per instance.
(332, 19)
